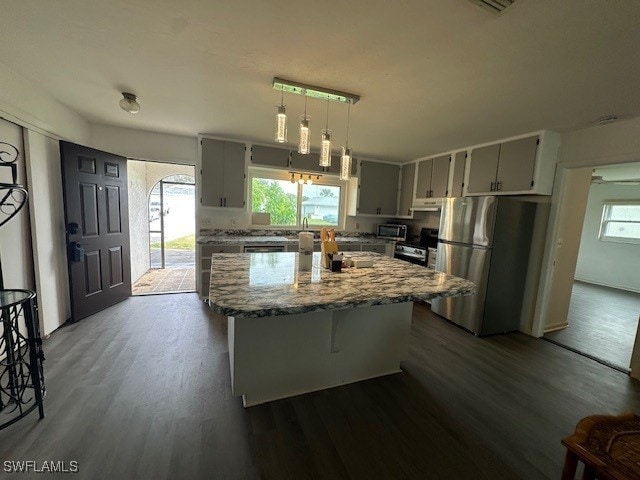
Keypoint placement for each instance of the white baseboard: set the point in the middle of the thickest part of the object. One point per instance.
(555, 327)
(604, 284)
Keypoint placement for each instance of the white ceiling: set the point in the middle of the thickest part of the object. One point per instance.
(433, 75)
(627, 172)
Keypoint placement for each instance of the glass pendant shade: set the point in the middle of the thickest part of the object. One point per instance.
(345, 164)
(304, 145)
(281, 125)
(325, 149)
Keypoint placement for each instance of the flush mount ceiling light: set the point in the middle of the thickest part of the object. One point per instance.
(129, 103)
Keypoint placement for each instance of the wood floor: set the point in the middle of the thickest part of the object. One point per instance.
(142, 391)
(602, 323)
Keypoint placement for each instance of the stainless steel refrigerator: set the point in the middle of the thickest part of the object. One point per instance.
(486, 240)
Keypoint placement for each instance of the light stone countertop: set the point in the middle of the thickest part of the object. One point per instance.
(275, 240)
(269, 284)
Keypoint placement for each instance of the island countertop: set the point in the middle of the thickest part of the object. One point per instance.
(269, 284)
(275, 240)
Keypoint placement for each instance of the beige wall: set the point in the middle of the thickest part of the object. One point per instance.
(145, 145)
(610, 144)
(48, 230)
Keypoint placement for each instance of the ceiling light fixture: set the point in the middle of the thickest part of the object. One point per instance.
(304, 145)
(314, 91)
(281, 121)
(345, 159)
(325, 148)
(129, 103)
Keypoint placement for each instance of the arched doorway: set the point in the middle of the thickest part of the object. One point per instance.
(172, 223)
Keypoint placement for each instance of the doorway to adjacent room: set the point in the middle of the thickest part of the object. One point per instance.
(163, 257)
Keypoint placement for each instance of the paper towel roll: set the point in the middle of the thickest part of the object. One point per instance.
(305, 248)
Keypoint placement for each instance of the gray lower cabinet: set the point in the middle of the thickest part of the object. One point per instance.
(223, 173)
(378, 188)
(270, 156)
(406, 189)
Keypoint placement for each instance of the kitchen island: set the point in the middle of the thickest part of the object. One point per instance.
(294, 332)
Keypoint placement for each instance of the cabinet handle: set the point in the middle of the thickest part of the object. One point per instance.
(220, 201)
(430, 193)
(225, 201)
(493, 188)
(498, 186)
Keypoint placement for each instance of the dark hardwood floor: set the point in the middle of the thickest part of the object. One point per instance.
(602, 323)
(142, 391)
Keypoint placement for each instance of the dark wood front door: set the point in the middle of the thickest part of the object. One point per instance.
(96, 212)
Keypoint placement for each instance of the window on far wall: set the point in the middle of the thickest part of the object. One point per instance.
(288, 203)
(620, 222)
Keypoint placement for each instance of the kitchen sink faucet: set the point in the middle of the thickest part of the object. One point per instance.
(305, 223)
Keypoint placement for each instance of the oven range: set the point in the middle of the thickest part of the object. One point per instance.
(422, 250)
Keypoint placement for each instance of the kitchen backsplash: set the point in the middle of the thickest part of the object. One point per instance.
(255, 232)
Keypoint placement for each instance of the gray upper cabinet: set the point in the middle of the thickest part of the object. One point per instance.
(309, 162)
(506, 167)
(406, 188)
(483, 169)
(423, 186)
(378, 188)
(516, 165)
(440, 176)
(335, 165)
(457, 185)
(270, 156)
(223, 176)
(433, 177)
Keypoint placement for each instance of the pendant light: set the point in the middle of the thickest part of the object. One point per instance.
(345, 160)
(304, 145)
(325, 149)
(281, 121)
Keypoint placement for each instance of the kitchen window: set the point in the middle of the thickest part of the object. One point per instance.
(620, 222)
(288, 203)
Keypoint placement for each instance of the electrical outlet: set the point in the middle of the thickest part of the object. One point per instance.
(206, 222)
(234, 222)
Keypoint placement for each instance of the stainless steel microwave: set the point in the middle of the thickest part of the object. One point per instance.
(392, 231)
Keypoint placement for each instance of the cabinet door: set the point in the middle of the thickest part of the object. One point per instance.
(378, 188)
(459, 161)
(406, 188)
(423, 187)
(483, 168)
(335, 165)
(517, 163)
(306, 163)
(270, 156)
(440, 176)
(233, 174)
(211, 190)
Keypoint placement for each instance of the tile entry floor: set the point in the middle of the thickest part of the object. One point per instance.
(166, 280)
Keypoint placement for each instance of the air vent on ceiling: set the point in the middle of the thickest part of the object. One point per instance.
(495, 6)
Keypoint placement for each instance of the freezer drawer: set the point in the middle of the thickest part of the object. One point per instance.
(467, 262)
